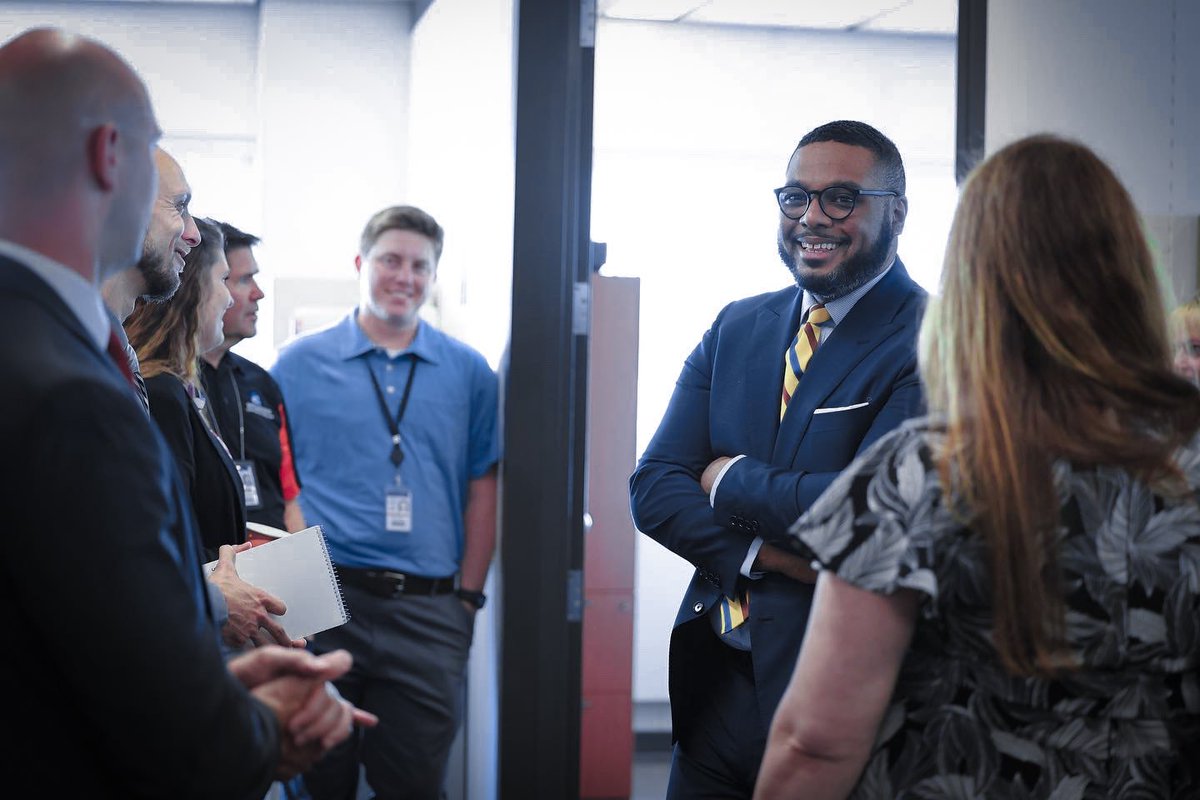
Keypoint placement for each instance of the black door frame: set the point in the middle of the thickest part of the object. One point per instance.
(545, 415)
(971, 90)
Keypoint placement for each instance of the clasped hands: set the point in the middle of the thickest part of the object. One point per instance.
(293, 684)
(770, 558)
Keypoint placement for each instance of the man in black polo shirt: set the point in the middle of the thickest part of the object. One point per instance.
(247, 403)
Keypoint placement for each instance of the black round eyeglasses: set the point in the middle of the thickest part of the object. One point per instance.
(836, 201)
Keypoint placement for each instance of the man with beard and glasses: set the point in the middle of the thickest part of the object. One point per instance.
(171, 236)
(779, 396)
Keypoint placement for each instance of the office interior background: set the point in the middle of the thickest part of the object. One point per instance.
(297, 119)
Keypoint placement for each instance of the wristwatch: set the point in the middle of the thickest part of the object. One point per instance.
(477, 599)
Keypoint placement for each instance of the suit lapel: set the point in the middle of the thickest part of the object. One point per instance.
(16, 278)
(870, 322)
(774, 327)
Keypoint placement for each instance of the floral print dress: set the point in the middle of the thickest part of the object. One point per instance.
(1125, 724)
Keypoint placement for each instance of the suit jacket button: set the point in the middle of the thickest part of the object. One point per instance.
(698, 607)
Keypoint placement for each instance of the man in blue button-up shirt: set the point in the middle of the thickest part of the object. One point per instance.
(395, 433)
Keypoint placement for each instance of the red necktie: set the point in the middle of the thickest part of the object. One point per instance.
(117, 353)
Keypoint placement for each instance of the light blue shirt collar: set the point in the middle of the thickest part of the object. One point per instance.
(79, 295)
(355, 341)
(839, 308)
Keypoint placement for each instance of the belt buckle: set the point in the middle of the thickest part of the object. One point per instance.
(399, 578)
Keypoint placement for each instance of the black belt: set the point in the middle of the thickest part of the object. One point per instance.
(386, 583)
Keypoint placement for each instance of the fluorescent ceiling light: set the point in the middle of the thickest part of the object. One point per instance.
(919, 16)
(659, 10)
(184, 2)
(901, 16)
(837, 15)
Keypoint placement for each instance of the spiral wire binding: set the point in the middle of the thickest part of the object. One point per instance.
(333, 575)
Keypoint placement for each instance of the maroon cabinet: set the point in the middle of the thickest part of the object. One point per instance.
(606, 738)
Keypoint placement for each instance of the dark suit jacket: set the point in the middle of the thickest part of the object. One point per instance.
(726, 403)
(209, 475)
(113, 682)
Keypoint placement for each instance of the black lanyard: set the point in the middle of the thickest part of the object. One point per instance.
(394, 424)
(237, 394)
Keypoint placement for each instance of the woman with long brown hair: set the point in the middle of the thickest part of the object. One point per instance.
(1009, 601)
(169, 338)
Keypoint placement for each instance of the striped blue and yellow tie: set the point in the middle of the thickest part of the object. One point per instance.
(795, 361)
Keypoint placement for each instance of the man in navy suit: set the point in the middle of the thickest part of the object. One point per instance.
(116, 683)
(779, 396)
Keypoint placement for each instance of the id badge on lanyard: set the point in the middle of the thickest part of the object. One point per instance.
(245, 468)
(398, 510)
(397, 498)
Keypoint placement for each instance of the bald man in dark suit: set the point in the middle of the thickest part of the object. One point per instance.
(116, 684)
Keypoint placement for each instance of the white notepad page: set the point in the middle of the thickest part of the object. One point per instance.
(296, 569)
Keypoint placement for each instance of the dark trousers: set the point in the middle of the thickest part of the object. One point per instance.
(719, 755)
(410, 658)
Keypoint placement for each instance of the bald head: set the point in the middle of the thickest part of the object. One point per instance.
(76, 136)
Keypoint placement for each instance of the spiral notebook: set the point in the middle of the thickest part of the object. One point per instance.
(295, 567)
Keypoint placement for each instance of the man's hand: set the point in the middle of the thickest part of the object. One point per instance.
(286, 696)
(313, 717)
(265, 664)
(323, 722)
(331, 723)
(250, 608)
(711, 472)
(772, 559)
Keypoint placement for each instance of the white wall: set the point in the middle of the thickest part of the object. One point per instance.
(334, 86)
(1124, 79)
(694, 126)
(460, 126)
(289, 116)
(334, 83)
(197, 60)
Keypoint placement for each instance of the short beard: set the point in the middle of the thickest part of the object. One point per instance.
(158, 272)
(850, 275)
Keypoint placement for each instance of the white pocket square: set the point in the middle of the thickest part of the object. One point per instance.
(836, 409)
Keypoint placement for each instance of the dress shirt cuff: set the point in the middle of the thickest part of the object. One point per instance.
(747, 569)
(220, 608)
(712, 494)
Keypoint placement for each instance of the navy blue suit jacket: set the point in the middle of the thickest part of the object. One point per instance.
(112, 671)
(861, 383)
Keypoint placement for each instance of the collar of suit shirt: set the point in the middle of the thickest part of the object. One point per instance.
(839, 308)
